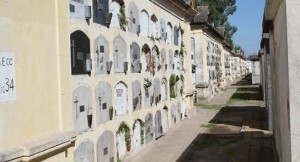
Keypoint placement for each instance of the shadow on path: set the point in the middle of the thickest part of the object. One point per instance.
(236, 133)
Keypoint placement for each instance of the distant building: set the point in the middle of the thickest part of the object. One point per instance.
(208, 55)
(256, 77)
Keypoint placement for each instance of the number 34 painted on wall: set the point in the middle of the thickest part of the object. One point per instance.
(9, 86)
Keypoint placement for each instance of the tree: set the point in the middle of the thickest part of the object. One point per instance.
(219, 10)
(228, 34)
(237, 47)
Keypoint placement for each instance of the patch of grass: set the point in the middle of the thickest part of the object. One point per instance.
(249, 77)
(230, 102)
(223, 89)
(208, 125)
(238, 102)
(204, 142)
(230, 149)
(208, 106)
(246, 90)
(241, 96)
(236, 97)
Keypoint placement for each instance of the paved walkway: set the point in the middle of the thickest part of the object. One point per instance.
(170, 147)
(223, 96)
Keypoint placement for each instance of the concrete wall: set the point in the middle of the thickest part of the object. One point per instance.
(281, 82)
(293, 40)
(256, 79)
(281, 93)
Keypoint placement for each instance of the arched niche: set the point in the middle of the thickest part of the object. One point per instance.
(179, 110)
(84, 152)
(179, 85)
(183, 109)
(180, 35)
(135, 58)
(149, 132)
(134, 18)
(80, 52)
(154, 30)
(164, 89)
(175, 35)
(123, 140)
(176, 60)
(165, 119)
(144, 23)
(102, 62)
(120, 52)
(100, 11)
(164, 60)
(158, 124)
(106, 147)
(173, 85)
(148, 93)
(169, 33)
(115, 10)
(136, 95)
(163, 32)
(82, 108)
(181, 63)
(174, 114)
(171, 60)
(121, 97)
(155, 57)
(104, 103)
(156, 90)
(138, 134)
(146, 59)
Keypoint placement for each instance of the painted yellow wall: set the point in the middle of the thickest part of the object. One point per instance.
(28, 29)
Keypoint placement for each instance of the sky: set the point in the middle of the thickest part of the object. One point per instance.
(248, 20)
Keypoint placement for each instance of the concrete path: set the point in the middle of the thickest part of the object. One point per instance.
(223, 96)
(170, 147)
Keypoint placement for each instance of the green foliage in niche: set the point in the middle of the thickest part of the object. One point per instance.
(182, 50)
(124, 128)
(142, 130)
(157, 51)
(145, 49)
(122, 17)
(147, 83)
(172, 83)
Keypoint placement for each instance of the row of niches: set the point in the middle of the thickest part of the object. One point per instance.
(213, 48)
(214, 61)
(113, 14)
(114, 102)
(143, 58)
(131, 137)
(227, 72)
(215, 74)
